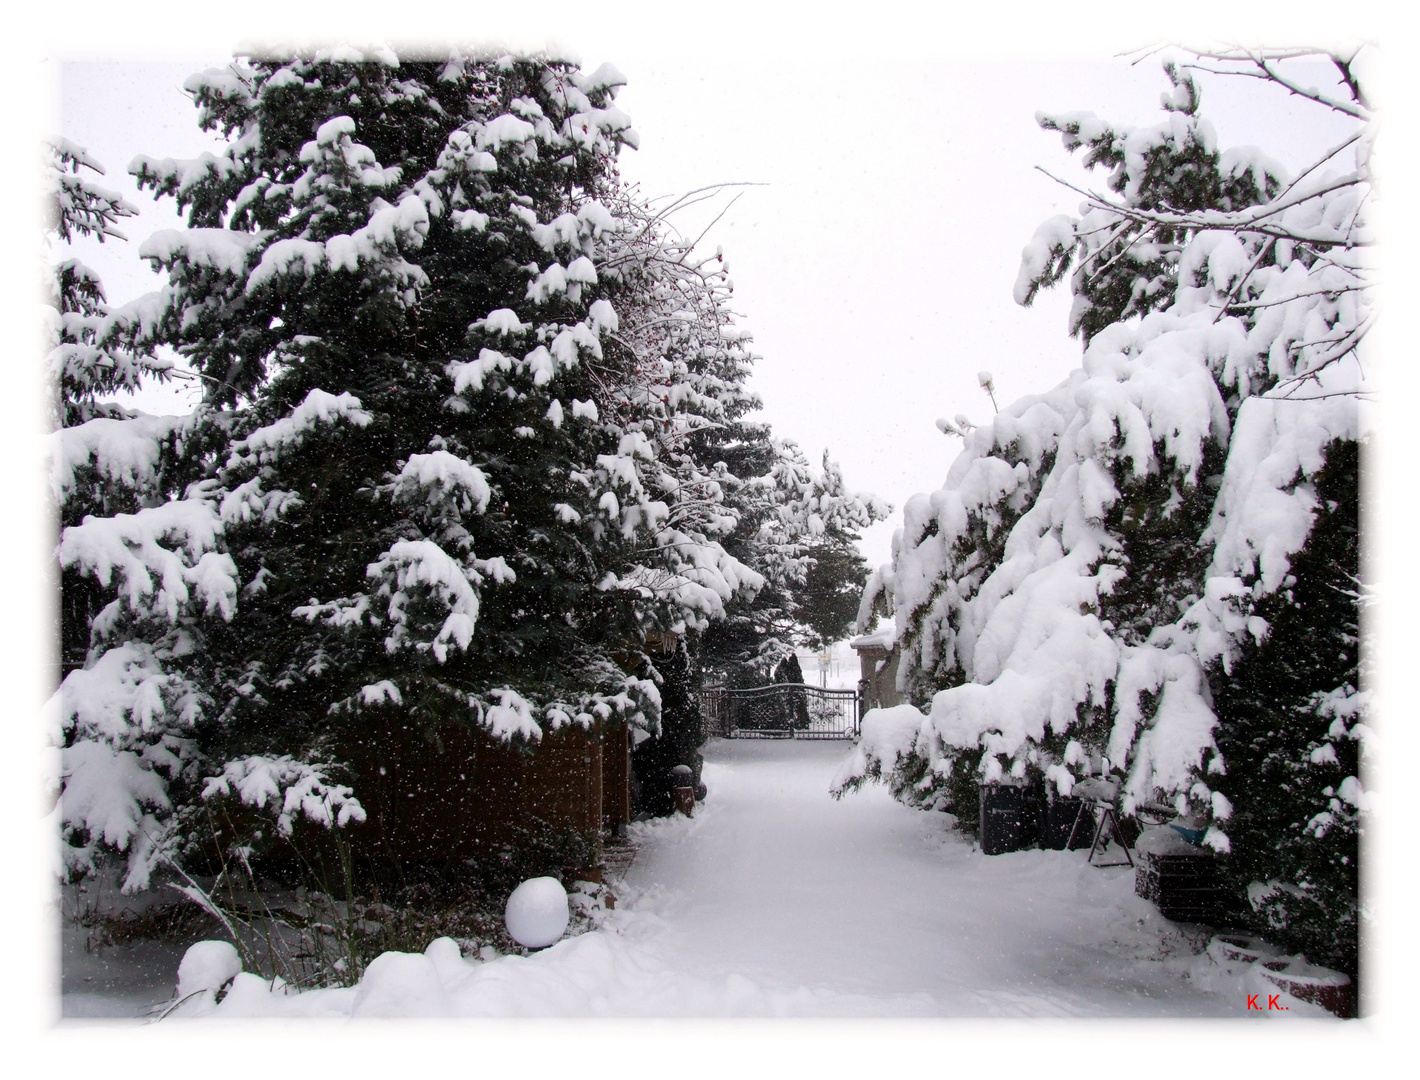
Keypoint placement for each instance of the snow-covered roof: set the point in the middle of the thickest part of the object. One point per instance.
(879, 639)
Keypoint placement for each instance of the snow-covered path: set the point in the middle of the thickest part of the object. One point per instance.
(775, 900)
(864, 907)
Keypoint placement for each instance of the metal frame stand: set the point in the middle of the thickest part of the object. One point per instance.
(1106, 817)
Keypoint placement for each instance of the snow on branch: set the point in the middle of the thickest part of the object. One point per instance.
(414, 570)
(1265, 64)
(267, 444)
(125, 453)
(438, 477)
(80, 207)
(389, 231)
(106, 791)
(289, 789)
(124, 696)
(161, 555)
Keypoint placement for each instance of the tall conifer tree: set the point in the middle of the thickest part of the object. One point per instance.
(458, 451)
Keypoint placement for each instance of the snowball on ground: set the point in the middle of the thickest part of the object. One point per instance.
(537, 913)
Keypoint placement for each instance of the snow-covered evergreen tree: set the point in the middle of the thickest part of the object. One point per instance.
(463, 445)
(799, 527)
(681, 363)
(1123, 568)
(1293, 724)
(140, 564)
(833, 586)
(793, 525)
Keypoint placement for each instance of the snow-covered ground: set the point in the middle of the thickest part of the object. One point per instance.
(115, 982)
(777, 901)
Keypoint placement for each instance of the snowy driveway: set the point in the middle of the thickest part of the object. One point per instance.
(775, 900)
(809, 906)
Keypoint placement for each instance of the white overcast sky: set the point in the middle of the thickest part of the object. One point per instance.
(873, 259)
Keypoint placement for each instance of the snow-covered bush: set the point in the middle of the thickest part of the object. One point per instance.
(1114, 568)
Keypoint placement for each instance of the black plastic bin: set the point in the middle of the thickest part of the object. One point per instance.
(1003, 818)
(1033, 815)
(1060, 818)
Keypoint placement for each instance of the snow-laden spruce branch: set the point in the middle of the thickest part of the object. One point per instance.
(1251, 221)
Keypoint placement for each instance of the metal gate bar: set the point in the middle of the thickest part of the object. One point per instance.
(781, 711)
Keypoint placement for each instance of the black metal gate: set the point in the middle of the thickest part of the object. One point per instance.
(781, 711)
